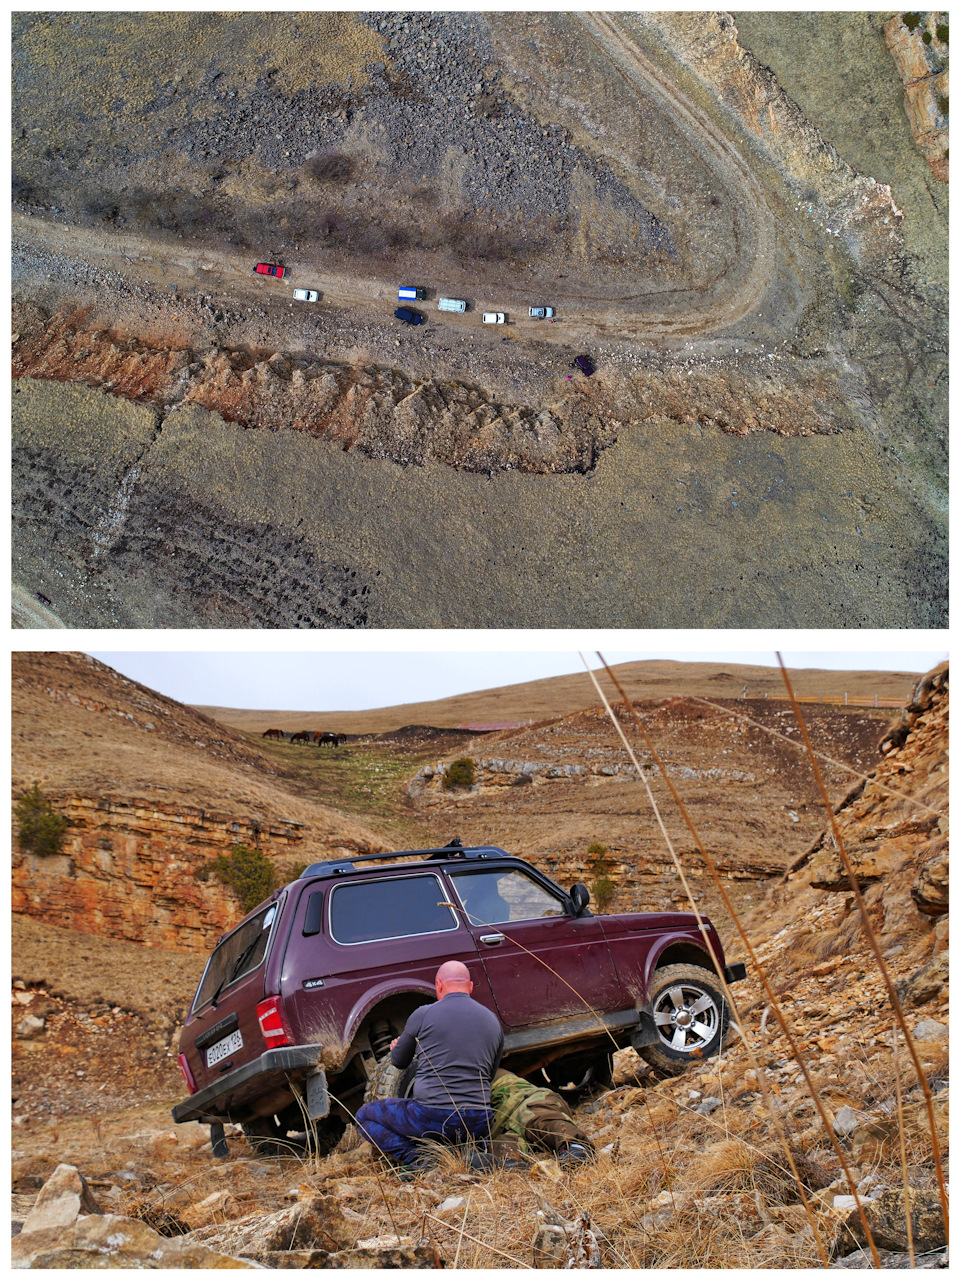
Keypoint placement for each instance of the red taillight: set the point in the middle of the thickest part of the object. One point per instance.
(187, 1073)
(272, 1025)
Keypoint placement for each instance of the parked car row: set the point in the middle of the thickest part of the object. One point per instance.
(412, 293)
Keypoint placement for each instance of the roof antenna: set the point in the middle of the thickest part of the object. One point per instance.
(455, 843)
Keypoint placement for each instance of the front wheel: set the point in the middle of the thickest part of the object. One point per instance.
(691, 1017)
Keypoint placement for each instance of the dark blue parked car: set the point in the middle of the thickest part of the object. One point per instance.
(408, 316)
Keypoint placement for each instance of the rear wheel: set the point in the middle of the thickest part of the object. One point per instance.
(691, 1018)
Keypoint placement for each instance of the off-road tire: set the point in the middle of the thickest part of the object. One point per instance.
(700, 996)
(389, 1081)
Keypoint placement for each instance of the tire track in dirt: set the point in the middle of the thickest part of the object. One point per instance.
(725, 161)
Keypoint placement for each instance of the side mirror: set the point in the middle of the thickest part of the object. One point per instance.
(579, 896)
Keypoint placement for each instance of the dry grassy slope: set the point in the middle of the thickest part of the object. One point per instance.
(564, 695)
(79, 726)
(750, 795)
(690, 1173)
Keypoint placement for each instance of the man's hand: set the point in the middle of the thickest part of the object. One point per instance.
(393, 1044)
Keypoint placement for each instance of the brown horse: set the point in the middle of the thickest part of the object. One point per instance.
(272, 733)
(303, 736)
(329, 739)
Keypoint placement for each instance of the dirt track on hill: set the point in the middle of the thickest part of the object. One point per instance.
(731, 276)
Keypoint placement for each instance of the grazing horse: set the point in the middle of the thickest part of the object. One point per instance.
(273, 733)
(303, 736)
(329, 739)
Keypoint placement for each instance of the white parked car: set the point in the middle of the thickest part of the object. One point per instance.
(306, 295)
(494, 317)
(541, 313)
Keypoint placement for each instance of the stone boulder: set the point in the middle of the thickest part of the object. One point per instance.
(931, 891)
(108, 1241)
(63, 1197)
(887, 1219)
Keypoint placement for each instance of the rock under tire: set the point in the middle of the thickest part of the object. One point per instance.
(691, 1014)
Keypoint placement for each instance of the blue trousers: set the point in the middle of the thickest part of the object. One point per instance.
(396, 1125)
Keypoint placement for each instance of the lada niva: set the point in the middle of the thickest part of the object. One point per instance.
(298, 1003)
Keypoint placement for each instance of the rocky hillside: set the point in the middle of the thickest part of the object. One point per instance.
(151, 790)
(690, 1172)
(552, 789)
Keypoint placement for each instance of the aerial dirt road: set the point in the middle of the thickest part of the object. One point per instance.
(761, 443)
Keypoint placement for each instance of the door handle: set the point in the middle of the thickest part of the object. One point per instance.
(491, 939)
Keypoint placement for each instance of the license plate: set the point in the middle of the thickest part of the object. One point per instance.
(223, 1048)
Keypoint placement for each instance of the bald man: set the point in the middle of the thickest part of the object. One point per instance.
(457, 1043)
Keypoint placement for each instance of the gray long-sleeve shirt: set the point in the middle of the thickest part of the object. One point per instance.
(458, 1044)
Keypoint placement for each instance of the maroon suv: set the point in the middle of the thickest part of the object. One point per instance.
(299, 1003)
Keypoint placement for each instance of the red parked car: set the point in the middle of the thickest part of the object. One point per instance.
(269, 269)
(298, 1004)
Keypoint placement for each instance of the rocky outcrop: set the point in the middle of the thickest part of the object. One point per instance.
(126, 870)
(895, 827)
(918, 42)
(68, 1230)
(855, 208)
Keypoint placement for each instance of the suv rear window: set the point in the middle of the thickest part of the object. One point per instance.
(237, 954)
(496, 897)
(393, 908)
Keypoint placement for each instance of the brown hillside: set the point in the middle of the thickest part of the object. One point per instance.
(689, 1171)
(551, 790)
(152, 790)
(563, 695)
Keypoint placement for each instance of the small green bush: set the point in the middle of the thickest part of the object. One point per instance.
(461, 773)
(602, 892)
(912, 20)
(927, 38)
(603, 888)
(40, 828)
(943, 105)
(943, 33)
(248, 872)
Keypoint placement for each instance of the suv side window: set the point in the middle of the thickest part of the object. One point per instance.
(396, 908)
(237, 954)
(497, 897)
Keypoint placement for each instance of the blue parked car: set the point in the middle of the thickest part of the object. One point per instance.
(408, 316)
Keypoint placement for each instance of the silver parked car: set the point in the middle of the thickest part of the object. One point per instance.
(541, 313)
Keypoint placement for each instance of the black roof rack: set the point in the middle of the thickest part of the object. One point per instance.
(455, 849)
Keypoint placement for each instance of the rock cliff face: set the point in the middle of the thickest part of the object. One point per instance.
(918, 42)
(551, 790)
(151, 790)
(126, 871)
(895, 826)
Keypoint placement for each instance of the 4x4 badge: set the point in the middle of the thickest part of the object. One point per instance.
(311, 983)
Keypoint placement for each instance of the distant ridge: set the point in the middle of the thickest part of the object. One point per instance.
(563, 695)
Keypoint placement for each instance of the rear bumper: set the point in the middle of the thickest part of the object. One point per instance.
(208, 1105)
(735, 972)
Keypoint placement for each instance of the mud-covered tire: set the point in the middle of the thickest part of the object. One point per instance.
(389, 1081)
(691, 1016)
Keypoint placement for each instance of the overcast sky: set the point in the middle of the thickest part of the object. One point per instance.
(357, 681)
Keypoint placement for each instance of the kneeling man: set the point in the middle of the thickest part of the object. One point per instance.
(457, 1043)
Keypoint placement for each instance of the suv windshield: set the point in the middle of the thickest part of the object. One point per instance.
(393, 908)
(236, 955)
(496, 897)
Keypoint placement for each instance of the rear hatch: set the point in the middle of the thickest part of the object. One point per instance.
(222, 1031)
